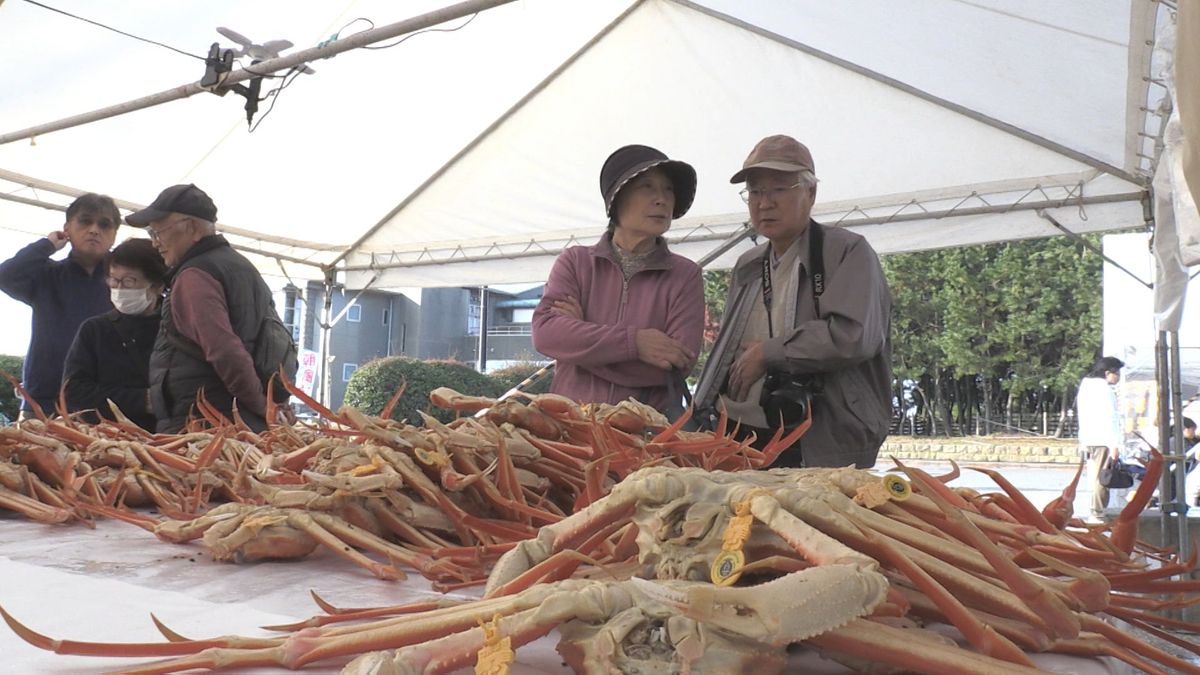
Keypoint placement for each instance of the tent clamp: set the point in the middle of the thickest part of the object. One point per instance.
(217, 66)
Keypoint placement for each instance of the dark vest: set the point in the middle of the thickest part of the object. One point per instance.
(178, 369)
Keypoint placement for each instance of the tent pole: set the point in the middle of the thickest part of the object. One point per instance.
(326, 335)
(733, 240)
(1075, 236)
(266, 67)
(1177, 476)
(67, 191)
(483, 329)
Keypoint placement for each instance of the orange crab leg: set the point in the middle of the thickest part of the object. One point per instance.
(863, 638)
(124, 649)
(312, 403)
(1061, 620)
(1125, 531)
(1060, 511)
(979, 634)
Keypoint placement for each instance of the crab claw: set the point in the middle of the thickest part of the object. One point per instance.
(789, 609)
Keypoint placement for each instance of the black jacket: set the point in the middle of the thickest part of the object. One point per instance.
(178, 369)
(110, 360)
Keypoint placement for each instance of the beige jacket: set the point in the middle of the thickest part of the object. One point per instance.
(848, 347)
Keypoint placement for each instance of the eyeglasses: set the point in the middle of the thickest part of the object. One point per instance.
(87, 220)
(126, 282)
(156, 235)
(755, 194)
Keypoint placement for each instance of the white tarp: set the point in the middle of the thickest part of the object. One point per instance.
(909, 106)
(939, 107)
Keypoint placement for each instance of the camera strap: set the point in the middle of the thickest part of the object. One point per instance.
(816, 264)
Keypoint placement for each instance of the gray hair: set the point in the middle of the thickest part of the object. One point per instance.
(205, 226)
(808, 178)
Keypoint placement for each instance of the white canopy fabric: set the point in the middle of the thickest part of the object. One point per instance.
(933, 123)
(473, 157)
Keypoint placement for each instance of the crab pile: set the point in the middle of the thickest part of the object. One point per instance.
(446, 500)
(691, 570)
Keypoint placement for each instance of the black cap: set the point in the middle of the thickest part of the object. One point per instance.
(631, 160)
(186, 199)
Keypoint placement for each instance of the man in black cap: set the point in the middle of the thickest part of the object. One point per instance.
(62, 293)
(213, 316)
(807, 323)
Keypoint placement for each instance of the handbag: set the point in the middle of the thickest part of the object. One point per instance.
(1115, 475)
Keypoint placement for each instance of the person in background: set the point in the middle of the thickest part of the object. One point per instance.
(216, 304)
(110, 357)
(61, 293)
(1100, 435)
(624, 317)
(1188, 451)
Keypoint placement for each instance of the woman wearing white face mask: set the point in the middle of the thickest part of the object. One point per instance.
(110, 358)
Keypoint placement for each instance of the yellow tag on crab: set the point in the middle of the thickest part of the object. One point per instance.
(727, 567)
(366, 469)
(496, 654)
(897, 487)
(889, 488)
(431, 458)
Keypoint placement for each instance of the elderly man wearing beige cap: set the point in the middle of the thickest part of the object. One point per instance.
(806, 325)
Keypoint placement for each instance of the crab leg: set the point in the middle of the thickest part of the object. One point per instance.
(864, 639)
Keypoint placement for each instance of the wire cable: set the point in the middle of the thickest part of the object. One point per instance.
(274, 95)
(427, 30)
(121, 32)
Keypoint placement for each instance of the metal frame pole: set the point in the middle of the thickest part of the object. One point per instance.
(1177, 476)
(266, 67)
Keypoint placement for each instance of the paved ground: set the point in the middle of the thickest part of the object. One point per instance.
(1040, 482)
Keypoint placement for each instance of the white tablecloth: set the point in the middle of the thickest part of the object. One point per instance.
(71, 582)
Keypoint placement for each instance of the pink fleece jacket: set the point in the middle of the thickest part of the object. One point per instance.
(597, 357)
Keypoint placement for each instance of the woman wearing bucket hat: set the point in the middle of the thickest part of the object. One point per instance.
(624, 317)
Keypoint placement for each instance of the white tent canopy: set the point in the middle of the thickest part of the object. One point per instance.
(933, 124)
(472, 157)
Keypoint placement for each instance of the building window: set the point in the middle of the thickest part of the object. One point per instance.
(348, 370)
(354, 314)
(386, 317)
(291, 311)
(522, 316)
(474, 312)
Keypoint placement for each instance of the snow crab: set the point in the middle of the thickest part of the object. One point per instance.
(697, 571)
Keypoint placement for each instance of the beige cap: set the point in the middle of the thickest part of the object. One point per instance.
(777, 153)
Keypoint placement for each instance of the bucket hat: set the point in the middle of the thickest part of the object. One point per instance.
(630, 161)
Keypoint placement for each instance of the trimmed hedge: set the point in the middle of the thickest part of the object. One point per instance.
(10, 403)
(513, 375)
(373, 384)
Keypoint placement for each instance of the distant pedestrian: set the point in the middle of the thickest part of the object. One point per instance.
(61, 293)
(1100, 435)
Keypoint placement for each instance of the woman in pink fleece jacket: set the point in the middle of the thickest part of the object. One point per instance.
(624, 317)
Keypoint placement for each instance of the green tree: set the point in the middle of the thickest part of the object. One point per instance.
(372, 385)
(10, 404)
(998, 329)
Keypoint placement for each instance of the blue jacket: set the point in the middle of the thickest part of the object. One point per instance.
(62, 296)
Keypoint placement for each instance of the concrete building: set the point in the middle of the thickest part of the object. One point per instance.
(451, 331)
(444, 325)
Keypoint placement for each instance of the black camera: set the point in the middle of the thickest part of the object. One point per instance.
(788, 396)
